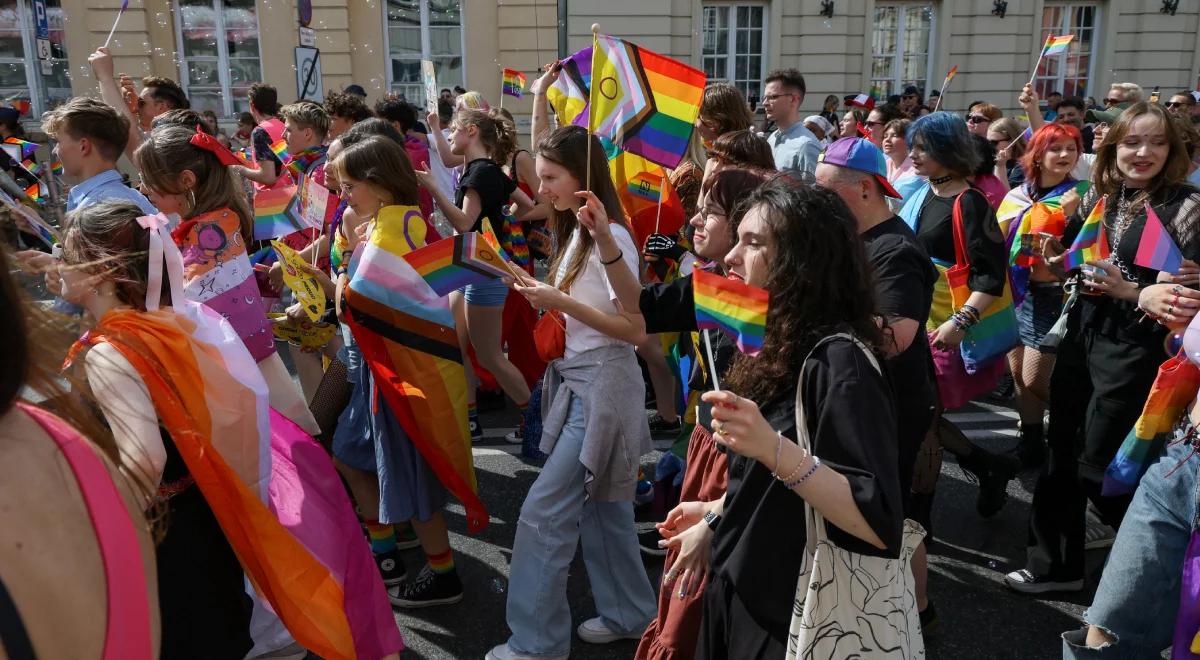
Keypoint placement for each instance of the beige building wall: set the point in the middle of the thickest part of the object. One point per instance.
(994, 55)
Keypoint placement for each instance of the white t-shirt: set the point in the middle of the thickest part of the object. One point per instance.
(592, 289)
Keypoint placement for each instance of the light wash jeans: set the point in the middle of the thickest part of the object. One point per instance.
(554, 518)
(1138, 597)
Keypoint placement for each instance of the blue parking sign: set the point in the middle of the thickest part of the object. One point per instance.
(41, 19)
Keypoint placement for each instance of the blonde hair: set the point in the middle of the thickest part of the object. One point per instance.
(1012, 130)
(307, 114)
(1132, 91)
(496, 132)
(472, 101)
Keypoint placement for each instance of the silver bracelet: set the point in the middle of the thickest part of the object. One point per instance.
(792, 485)
(778, 450)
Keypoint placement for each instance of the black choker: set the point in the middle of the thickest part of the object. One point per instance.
(940, 180)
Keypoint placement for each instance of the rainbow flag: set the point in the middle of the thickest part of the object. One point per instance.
(277, 213)
(35, 192)
(1173, 391)
(514, 83)
(1056, 45)
(279, 148)
(1020, 216)
(639, 183)
(273, 490)
(27, 148)
(652, 106)
(1091, 244)
(733, 307)
(35, 168)
(1156, 249)
(454, 262)
(406, 333)
(950, 76)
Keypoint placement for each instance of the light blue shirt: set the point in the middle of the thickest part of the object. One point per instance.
(106, 186)
(1194, 179)
(795, 148)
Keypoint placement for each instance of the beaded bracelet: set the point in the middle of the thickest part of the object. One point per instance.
(796, 471)
(792, 485)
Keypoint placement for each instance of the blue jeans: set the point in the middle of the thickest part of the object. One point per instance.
(1138, 599)
(554, 519)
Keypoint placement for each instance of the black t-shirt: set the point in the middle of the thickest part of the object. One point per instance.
(904, 279)
(759, 543)
(262, 148)
(672, 308)
(486, 178)
(984, 241)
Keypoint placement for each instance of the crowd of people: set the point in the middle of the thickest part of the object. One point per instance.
(914, 257)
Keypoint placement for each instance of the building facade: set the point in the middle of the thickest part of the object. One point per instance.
(217, 48)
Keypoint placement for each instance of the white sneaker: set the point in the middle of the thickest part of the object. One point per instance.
(1097, 535)
(502, 652)
(1026, 582)
(594, 631)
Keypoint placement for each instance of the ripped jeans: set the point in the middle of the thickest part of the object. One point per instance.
(555, 518)
(1138, 597)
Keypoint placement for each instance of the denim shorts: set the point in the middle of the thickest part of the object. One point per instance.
(1039, 310)
(1138, 597)
(490, 294)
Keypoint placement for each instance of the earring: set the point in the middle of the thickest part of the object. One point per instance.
(192, 198)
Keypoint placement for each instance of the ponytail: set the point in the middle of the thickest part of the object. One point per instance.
(496, 131)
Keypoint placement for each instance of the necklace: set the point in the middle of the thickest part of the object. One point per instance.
(937, 181)
(1120, 226)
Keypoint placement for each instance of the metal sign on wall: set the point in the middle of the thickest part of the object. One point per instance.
(308, 75)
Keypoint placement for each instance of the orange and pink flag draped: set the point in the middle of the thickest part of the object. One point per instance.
(272, 488)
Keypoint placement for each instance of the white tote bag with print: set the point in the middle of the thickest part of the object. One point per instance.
(850, 605)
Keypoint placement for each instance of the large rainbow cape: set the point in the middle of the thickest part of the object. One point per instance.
(272, 488)
(1020, 216)
(406, 333)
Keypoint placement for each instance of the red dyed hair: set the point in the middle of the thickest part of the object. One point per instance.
(1040, 143)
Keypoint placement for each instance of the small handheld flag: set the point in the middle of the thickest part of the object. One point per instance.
(942, 94)
(733, 307)
(514, 83)
(1090, 244)
(457, 261)
(1053, 46)
(116, 21)
(1156, 249)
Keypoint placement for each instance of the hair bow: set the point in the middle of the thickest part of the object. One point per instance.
(159, 240)
(209, 143)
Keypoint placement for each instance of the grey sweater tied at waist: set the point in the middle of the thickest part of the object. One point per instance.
(616, 434)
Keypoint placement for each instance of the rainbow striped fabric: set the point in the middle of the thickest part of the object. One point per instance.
(273, 490)
(733, 307)
(1020, 216)
(646, 103)
(406, 333)
(27, 148)
(514, 83)
(454, 262)
(1157, 249)
(279, 148)
(1091, 244)
(639, 182)
(35, 168)
(950, 75)
(277, 213)
(1057, 45)
(1174, 389)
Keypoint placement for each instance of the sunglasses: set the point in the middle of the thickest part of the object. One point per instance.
(1176, 104)
(1111, 101)
(977, 119)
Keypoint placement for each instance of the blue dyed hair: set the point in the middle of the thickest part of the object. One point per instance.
(944, 137)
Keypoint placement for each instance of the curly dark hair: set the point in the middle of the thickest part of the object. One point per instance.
(820, 284)
(348, 106)
(394, 108)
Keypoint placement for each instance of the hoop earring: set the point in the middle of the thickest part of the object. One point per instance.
(192, 199)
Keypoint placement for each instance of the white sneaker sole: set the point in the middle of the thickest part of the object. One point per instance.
(416, 605)
(1043, 587)
(607, 637)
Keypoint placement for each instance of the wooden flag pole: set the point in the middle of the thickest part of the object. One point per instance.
(591, 109)
(1039, 61)
(712, 364)
(662, 190)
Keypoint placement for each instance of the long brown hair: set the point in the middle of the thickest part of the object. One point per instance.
(820, 284)
(167, 152)
(383, 163)
(1106, 176)
(496, 131)
(725, 109)
(567, 146)
(105, 239)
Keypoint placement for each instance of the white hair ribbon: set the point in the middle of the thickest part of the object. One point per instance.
(162, 247)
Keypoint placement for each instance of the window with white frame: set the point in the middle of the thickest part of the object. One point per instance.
(424, 30)
(218, 53)
(1067, 73)
(900, 45)
(735, 37)
(22, 83)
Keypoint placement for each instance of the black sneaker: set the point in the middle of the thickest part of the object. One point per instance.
(427, 589)
(648, 541)
(391, 567)
(1026, 582)
(490, 400)
(660, 425)
(1032, 445)
(929, 619)
(476, 427)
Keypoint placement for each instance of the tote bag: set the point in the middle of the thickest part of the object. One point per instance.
(996, 332)
(850, 605)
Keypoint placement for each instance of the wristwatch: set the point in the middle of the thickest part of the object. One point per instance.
(712, 519)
